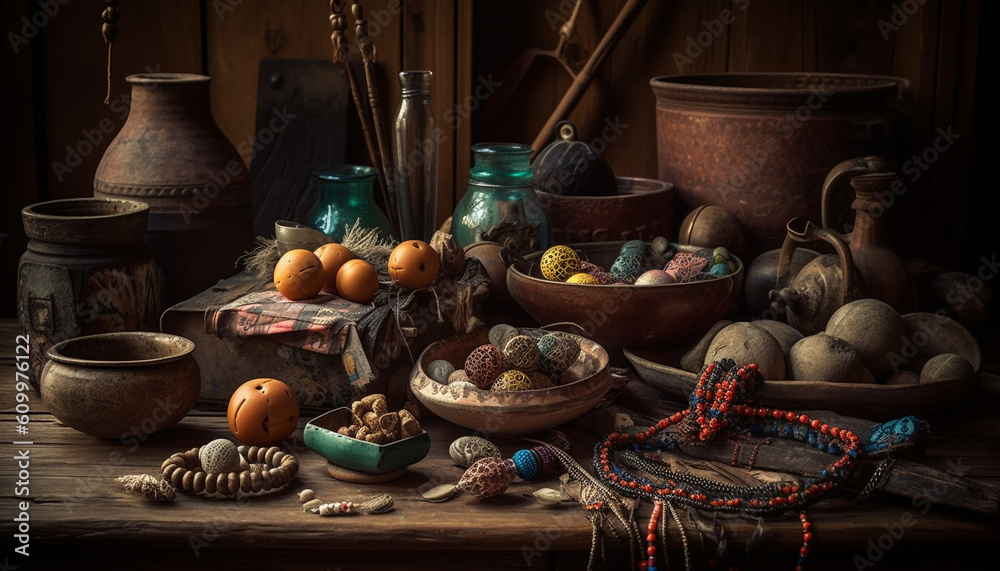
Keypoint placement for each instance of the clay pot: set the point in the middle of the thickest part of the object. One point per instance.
(172, 155)
(761, 144)
(86, 271)
(125, 385)
(642, 209)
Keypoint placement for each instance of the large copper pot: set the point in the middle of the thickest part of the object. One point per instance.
(172, 155)
(761, 144)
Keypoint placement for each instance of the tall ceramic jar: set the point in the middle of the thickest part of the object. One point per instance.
(500, 204)
(172, 155)
(86, 271)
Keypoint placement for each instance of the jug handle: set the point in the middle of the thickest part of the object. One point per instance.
(801, 232)
(841, 175)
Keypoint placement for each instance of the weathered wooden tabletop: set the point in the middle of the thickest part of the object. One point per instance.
(62, 486)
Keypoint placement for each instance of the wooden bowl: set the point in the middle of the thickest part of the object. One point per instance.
(659, 369)
(618, 316)
(124, 385)
(510, 413)
(320, 435)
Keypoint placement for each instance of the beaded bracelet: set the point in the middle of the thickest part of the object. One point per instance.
(262, 470)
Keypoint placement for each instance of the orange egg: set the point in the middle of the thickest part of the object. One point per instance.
(333, 256)
(357, 281)
(414, 264)
(263, 412)
(299, 274)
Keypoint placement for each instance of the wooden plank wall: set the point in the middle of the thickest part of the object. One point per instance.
(57, 81)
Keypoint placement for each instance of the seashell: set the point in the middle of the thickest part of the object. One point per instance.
(378, 505)
(488, 477)
(311, 505)
(219, 456)
(441, 493)
(521, 352)
(149, 487)
(439, 369)
(551, 497)
(467, 449)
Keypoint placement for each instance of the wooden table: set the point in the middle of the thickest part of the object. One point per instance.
(77, 512)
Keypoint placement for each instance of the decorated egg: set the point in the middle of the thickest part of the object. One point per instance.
(654, 277)
(600, 274)
(466, 450)
(357, 281)
(439, 370)
(413, 264)
(500, 333)
(635, 248)
(263, 412)
(488, 477)
(558, 353)
(333, 256)
(581, 278)
(521, 352)
(299, 274)
(483, 365)
(720, 255)
(559, 263)
(626, 268)
(511, 380)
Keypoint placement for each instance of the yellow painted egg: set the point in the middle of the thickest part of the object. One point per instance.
(559, 263)
(581, 278)
(512, 380)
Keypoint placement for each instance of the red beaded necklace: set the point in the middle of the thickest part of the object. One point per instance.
(724, 400)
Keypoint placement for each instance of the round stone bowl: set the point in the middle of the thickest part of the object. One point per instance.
(619, 316)
(121, 385)
(641, 208)
(508, 414)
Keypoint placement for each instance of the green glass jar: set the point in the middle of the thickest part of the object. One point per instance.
(346, 196)
(500, 201)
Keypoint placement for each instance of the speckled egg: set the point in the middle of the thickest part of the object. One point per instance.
(467, 449)
(626, 268)
(660, 245)
(581, 278)
(559, 262)
(483, 365)
(439, 370)
(654, 277)
(511, 380)
(521, 352)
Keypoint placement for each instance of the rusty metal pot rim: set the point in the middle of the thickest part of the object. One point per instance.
(173, 347)
(85, 219)
(656, 188)
(774, 88)
(165, 77)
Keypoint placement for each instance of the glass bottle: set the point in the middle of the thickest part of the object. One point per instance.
(415, 148)
(346, 196)
(500, 192)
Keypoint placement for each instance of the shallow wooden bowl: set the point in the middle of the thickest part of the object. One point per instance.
(863, 400)
(618, 316)
(510, 413)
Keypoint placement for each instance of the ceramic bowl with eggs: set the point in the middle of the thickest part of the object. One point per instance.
(510, 413)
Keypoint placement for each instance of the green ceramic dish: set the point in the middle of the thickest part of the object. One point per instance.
(321, 436)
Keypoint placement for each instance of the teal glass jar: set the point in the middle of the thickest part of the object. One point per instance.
(346, 196)
(500, 202)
